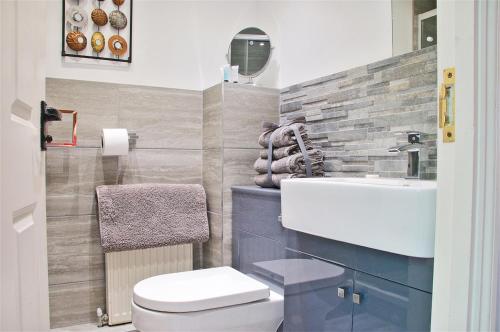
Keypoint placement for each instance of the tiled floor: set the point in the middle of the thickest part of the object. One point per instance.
(94, 328)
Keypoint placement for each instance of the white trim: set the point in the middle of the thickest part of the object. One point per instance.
(244, 36)
(496, 272)
(485, 237)
(455, 172)
(420, 18)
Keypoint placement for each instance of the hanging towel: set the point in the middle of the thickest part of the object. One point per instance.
(138, 216)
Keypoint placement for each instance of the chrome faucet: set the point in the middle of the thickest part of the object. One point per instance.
(413, 171)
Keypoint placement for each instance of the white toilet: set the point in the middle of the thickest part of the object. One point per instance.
(216, 299)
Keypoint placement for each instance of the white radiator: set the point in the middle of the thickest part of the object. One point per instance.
(125, 268)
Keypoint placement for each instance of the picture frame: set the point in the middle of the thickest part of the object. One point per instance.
(88, 30)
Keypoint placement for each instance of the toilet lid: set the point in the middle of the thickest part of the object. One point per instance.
(198, 290)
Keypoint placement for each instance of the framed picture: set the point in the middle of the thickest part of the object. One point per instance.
(97, 29)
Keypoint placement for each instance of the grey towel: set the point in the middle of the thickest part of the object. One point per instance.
(284, 135)
(285, 151)
(138, 216)
(293, 164)
(266, 125)
(261, 179)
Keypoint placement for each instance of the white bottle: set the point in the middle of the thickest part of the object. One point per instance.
(234, 74)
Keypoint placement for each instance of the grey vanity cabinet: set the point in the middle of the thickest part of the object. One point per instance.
(328, 285)
(258, 239)
(323, 296)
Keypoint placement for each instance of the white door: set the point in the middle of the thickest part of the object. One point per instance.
(450, 300)
(467, 233)
(23, 253)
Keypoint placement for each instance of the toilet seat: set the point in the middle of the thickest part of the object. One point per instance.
(198, 290)
(211, 300)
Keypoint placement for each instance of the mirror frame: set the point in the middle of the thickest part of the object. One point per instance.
(259, 72)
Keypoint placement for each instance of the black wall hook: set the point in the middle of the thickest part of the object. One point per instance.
(47, 114)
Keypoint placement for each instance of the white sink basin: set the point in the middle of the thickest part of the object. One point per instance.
(393, 215)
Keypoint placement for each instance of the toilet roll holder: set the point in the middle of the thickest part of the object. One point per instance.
(132, 139)
(48, 114)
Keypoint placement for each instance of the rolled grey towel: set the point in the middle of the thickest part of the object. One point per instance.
(261, 179)
(285, 151)
(299, 119)
(284, 136)
(264, 138)
(138, 216)
(267, 129)
(266, 125)
(293, 164)
(296, 163)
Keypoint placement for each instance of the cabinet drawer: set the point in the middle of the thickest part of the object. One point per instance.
(411, 271)
(317, 295)
(257, 211)
(388, 306)
(261, 256)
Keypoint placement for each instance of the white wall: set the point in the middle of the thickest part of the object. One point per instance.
(218, 22)
(182, 44)
(402, 26)
(317, 38)
(174, 43)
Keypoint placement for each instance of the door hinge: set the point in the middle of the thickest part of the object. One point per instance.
(447, 105)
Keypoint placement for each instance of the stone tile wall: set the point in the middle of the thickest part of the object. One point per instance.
(232, 119)
(169, 150)
(356, 115)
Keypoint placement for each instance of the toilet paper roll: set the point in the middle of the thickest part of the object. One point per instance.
(114, 142)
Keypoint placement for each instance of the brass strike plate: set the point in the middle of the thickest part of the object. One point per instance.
(447, 105)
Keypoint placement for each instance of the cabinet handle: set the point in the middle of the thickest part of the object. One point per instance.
(356, 298)
(341, 292)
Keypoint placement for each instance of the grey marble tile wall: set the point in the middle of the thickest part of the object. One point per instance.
(212, 172)
(356, 115)
(169, 150)
(232, 119)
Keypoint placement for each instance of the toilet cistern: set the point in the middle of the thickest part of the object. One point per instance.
(413, 170)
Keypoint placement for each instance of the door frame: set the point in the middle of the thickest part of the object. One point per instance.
(466, 268)
(486, 222)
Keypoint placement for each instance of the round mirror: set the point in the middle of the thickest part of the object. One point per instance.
(250, 49)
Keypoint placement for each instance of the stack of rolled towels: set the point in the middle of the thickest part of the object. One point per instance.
(287, 158)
